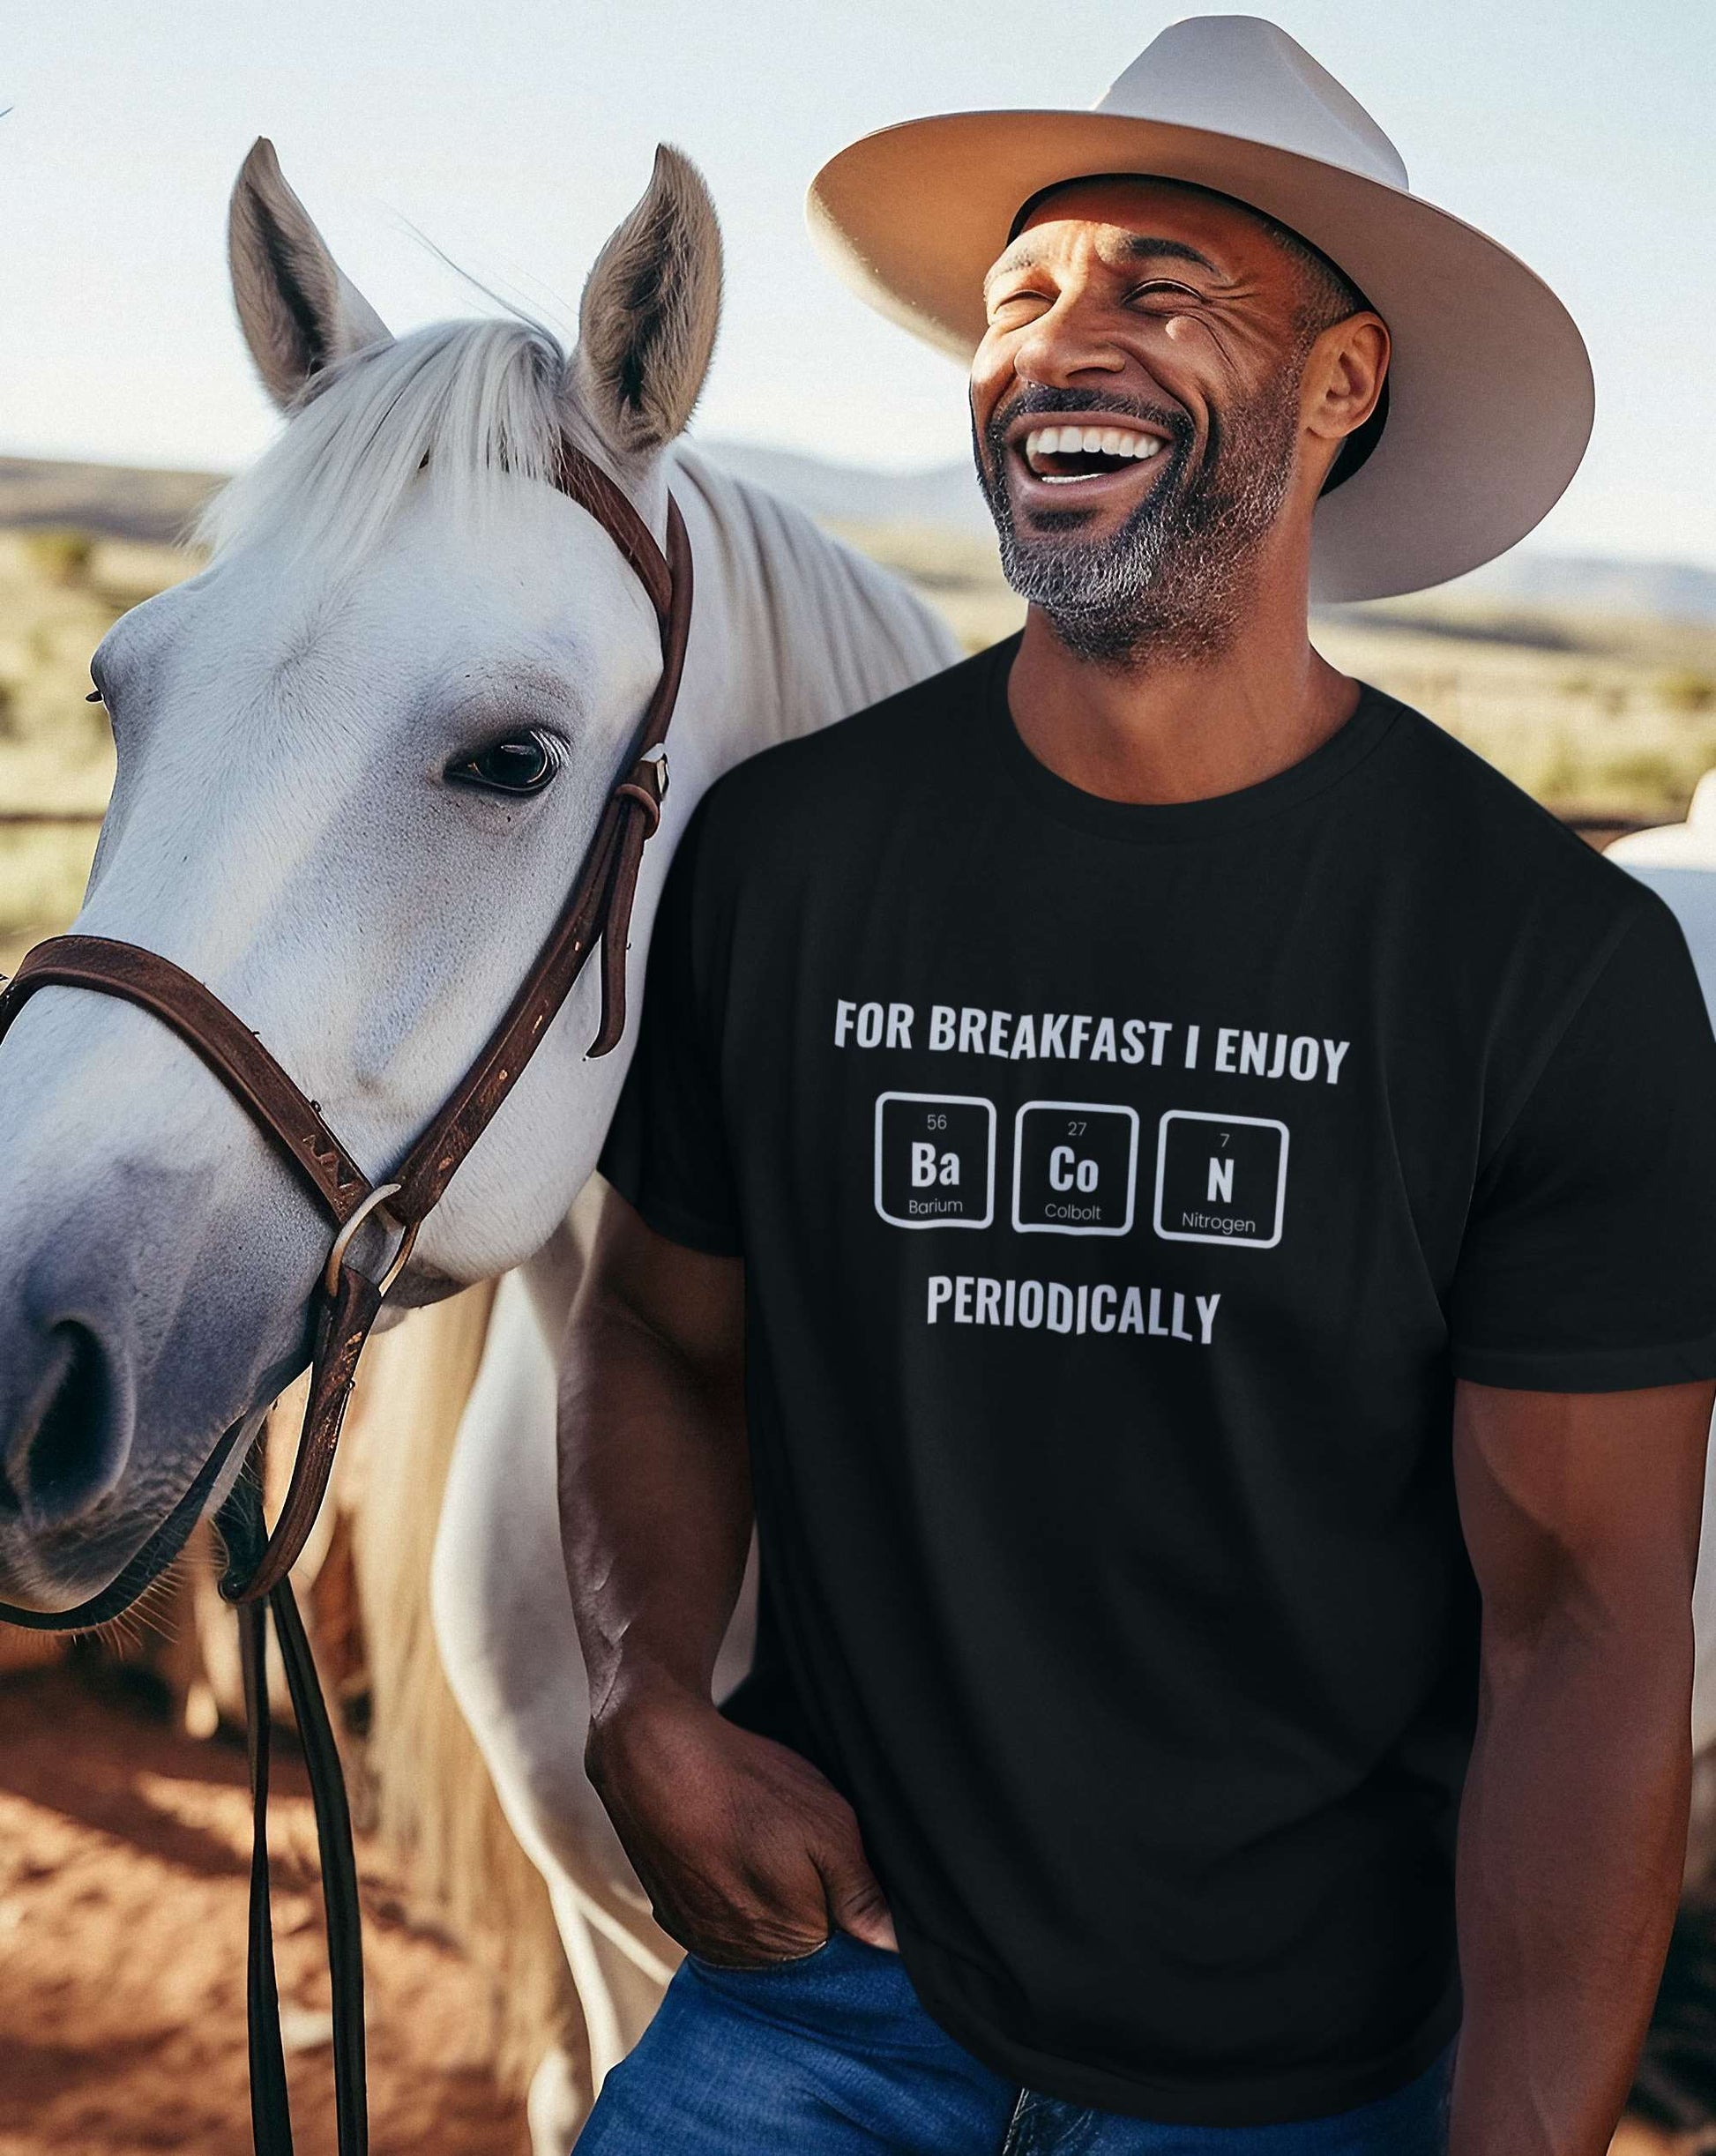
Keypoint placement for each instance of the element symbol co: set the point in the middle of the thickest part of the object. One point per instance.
(1074, 1165)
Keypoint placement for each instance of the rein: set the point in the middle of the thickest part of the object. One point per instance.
(346, 1301)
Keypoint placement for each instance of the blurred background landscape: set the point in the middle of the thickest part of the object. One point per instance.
(1590, 682)
(457, 159)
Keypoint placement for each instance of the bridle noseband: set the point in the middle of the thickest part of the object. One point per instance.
(347, 1300)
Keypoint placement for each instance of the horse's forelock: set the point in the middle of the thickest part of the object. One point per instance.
(462, 407)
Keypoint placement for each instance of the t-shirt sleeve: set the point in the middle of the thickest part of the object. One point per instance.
(667, 1152)
(1589, 1261)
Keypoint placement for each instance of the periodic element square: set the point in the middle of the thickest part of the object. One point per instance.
(1221, 1178)
(1075, 1163)
(935, 1159)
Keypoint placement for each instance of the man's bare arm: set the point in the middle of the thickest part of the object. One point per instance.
(747, 1853)
(1581, 1514)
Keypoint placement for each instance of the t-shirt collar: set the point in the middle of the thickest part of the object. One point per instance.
(1155, 822)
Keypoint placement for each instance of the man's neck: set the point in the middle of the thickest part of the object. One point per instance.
(1178, 731)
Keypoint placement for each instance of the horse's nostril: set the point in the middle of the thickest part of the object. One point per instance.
(64, 1456)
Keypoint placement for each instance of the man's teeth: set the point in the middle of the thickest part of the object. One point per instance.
(1087, 441)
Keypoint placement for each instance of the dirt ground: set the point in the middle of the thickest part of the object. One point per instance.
(123, 1856)
(125, 1848)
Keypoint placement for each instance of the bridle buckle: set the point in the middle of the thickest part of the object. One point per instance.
(647, 783)
(374, 1203)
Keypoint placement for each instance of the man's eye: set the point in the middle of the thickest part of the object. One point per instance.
(522, 764)
(1162, 294)
(1011, 306)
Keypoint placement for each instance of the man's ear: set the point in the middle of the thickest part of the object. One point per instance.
(1346, 389)
(651, 307)
(298, 310)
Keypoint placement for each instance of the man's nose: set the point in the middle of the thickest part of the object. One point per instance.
(1063, 345)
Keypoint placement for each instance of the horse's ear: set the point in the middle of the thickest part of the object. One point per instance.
(651, 307)
(298, 310)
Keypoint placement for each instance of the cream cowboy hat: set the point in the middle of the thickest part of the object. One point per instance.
(1491, 389)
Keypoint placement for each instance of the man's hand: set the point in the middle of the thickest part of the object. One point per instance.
(747, 1854)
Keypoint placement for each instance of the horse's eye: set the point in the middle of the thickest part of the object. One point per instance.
(523, 764)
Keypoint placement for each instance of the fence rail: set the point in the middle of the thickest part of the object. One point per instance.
(13, 818)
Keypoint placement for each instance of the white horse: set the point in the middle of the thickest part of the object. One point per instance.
(360, 759)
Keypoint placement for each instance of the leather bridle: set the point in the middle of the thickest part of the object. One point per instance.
(346, 1301)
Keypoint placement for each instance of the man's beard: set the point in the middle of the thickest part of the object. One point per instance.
(1172, 582)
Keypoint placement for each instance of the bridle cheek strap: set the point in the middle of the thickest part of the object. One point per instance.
(345, 1305)
(599, 910)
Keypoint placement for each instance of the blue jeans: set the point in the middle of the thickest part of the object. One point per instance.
(833, 2055)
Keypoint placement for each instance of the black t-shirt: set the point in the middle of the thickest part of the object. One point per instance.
(1121, 1189)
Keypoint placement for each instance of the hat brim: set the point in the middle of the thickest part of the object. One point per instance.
(1491, 398)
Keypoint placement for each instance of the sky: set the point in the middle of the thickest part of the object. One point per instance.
(514, 134)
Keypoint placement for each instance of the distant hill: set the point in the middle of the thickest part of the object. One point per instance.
(945, 495)
(125, 502)
(1596, 584)
(117, 501)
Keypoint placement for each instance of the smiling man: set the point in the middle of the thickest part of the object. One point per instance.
(1184, 1208)
(1164, 506)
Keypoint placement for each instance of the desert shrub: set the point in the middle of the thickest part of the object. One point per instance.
(1651, 777)
(60, 556)
(1687, 690)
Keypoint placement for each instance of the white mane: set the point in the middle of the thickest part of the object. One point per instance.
(465, 408)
